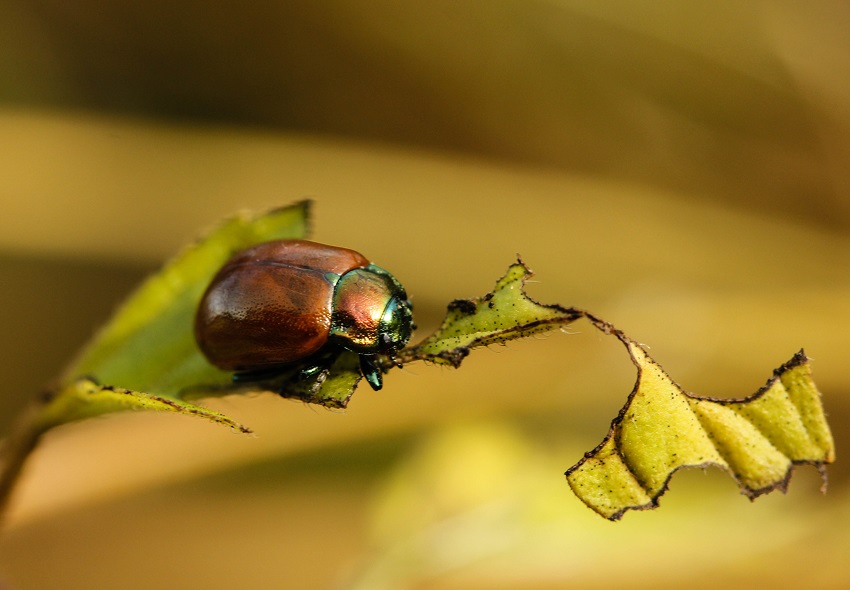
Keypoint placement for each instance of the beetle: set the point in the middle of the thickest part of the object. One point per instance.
(294, 302)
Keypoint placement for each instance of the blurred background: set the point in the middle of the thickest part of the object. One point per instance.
(680, 169)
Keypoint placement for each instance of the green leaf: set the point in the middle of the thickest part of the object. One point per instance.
(662, 428)
(145, 358)
(84, 398)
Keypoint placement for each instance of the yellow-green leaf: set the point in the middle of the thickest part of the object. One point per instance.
(504, 314)
(663, 428)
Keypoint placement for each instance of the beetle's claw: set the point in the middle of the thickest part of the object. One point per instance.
(371, 372)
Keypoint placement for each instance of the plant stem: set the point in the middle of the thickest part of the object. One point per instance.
(21, 442)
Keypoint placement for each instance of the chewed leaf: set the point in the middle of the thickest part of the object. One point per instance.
(84, 398)
(504, 314)
(663, 428)
(148, 345)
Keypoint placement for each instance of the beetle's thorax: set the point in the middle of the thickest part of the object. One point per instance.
(367, 305)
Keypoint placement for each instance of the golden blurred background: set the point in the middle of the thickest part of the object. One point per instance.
(680, 169)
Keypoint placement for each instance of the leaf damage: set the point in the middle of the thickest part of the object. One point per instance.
(505, 314)
(662, 428)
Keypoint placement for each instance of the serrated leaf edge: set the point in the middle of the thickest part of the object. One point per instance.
(455, 356)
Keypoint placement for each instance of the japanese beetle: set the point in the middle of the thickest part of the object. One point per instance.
(291, 302)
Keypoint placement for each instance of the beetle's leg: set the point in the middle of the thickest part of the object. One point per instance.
(305, 370)
(371, 371)
(311, 371)
(318, 363)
